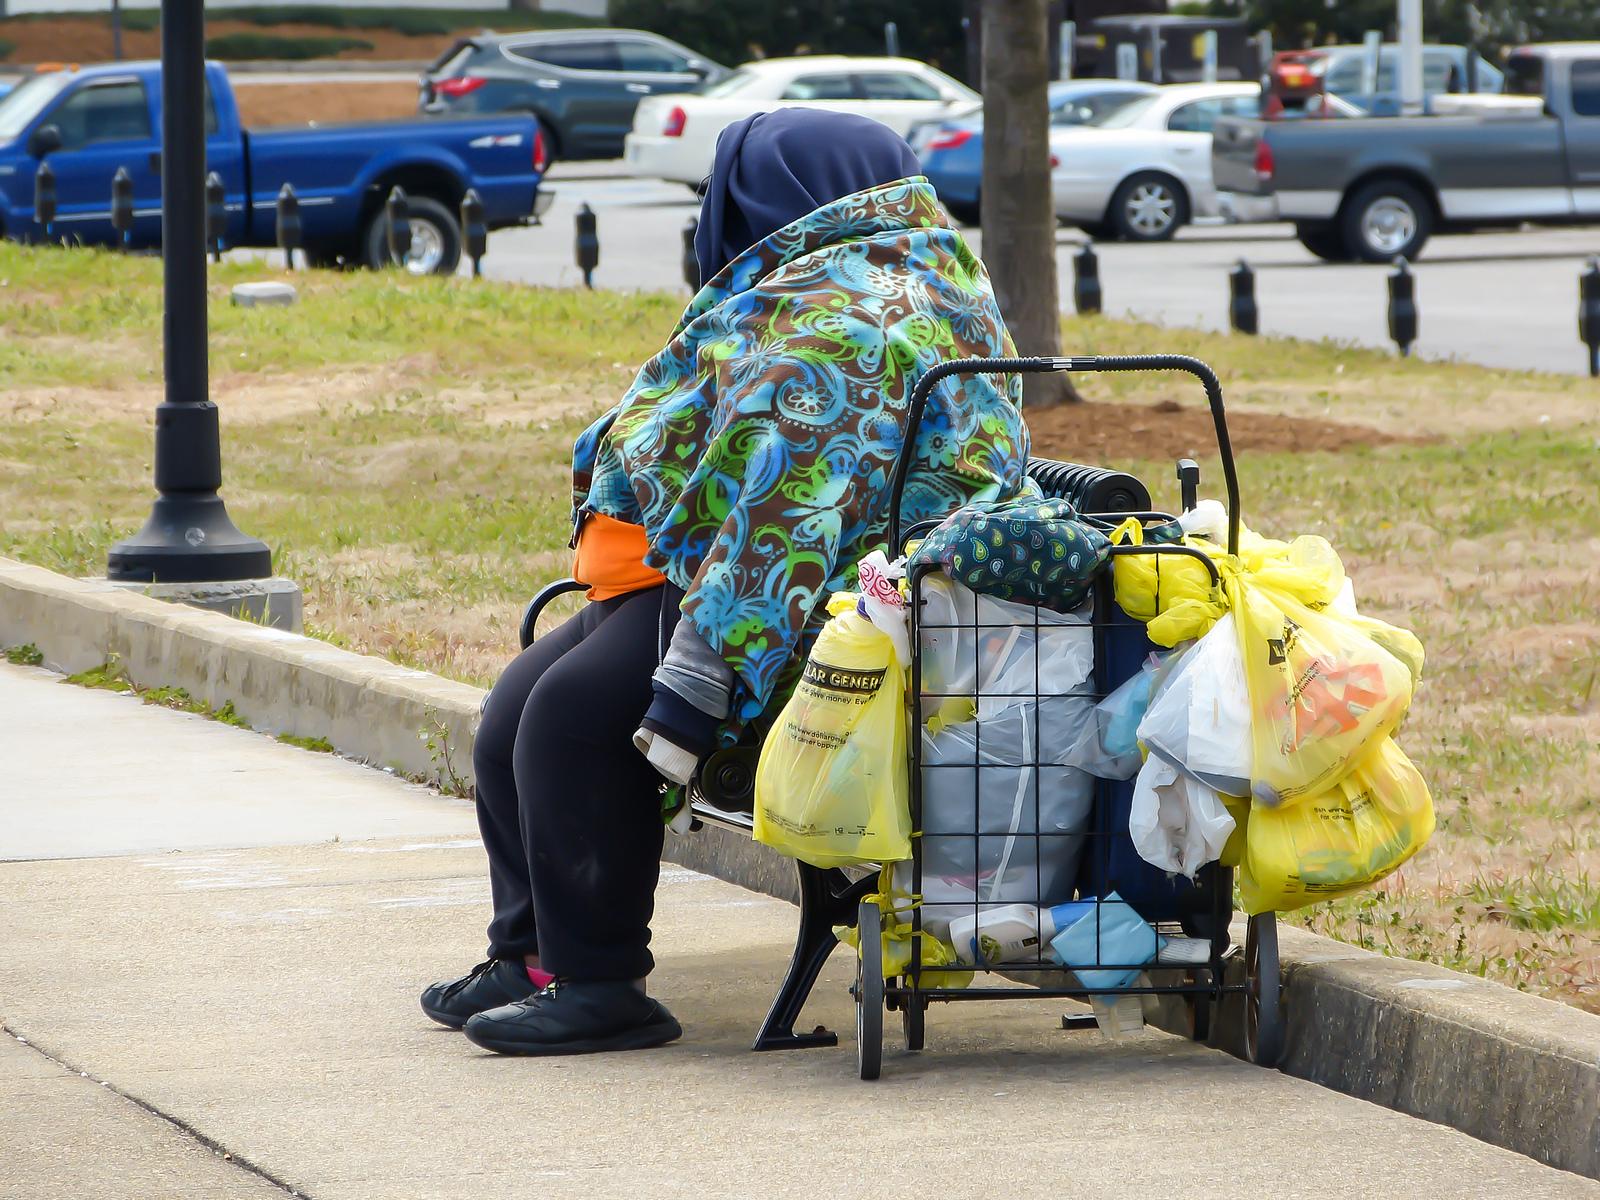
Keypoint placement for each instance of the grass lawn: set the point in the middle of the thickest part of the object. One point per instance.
(402, 444)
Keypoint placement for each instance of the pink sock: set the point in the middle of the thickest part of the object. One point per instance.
(539, 979)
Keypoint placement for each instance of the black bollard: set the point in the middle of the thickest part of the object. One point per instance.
(1403, 306)
(691, 260)
(44, 198)
(586, 246)
(1589, 313)
(122, 207)
(1086, 280)
(397, 216)
(216, 215)
(288, 224)
(1242, 298)
(474, 233)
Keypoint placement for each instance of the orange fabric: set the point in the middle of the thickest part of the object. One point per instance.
(610, 558)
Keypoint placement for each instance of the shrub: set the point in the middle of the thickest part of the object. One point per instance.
(239, 46)
(6, 48)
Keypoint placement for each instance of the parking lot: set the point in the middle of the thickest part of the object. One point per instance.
(1506, 299)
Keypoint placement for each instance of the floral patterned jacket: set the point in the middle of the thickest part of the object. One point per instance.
(758, 446)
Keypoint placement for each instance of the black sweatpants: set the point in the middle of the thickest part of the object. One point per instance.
(570, 811)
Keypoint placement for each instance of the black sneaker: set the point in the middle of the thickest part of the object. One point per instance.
(575, 1018)
(488, 985)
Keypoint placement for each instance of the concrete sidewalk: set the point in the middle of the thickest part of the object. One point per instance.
(240, 1020)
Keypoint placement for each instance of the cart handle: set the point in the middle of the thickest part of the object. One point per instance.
(1082, 363)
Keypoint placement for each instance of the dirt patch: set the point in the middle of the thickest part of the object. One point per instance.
(1100, 432)
(81, 40)
(266, 104)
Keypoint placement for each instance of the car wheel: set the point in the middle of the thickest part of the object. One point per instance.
(1148, 208)
(435, 239)
(1385, 220)
(1325, 241)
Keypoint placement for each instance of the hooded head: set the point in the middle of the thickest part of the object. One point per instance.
(773, 168)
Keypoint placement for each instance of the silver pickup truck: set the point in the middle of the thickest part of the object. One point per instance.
(1373, 188)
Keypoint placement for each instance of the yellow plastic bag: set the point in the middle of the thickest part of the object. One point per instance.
(1171, 593)
(1340, 841)
(831, 784)
(1323, 689)
(896, 904)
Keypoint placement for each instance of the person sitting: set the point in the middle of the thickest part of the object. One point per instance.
(717, 506)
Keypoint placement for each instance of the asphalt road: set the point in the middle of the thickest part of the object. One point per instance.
(208, 992)
(1504, 299)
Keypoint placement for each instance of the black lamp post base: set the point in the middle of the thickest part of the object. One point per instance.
(188, 538)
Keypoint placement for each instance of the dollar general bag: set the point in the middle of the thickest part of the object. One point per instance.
(831, 785)
(1324, 690)
(1338, 841)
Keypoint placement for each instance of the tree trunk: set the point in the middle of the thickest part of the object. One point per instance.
(1019, 222)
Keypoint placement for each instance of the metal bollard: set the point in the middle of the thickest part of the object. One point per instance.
(474, 233)
(397, 217)
(122, 207)
(1242, 313)
(691, 260)
(44, 198)
(1403, 306)
(1589, 313)
(216, 215)
(586, 247)
(1086, 280)
(289, 232)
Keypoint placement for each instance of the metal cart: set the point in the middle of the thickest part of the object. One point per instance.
(1091, 861)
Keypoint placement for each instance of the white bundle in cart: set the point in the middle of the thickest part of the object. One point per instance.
(1009, 730)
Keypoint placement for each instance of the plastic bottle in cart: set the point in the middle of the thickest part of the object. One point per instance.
(1011, 933)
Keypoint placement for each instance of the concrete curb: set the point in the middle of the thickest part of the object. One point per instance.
(1511, 1069)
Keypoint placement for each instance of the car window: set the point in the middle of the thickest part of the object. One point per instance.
(1241, 106)
(1525, 75)
(1085, 110)
(823, 87)
(27, 100)
(730, 84)
(1586, 87)
(571, 56)
(1127, 115)
(106, 112)
(1198, 116)
(896, 85)
(647, 56)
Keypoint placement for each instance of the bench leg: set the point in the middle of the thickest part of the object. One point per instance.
(828, 897)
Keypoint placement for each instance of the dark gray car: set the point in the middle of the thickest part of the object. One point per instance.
(581, 84)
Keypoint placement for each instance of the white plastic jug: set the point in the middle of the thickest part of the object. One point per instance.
(1010, 932)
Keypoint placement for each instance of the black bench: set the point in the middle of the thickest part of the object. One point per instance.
(723, 790)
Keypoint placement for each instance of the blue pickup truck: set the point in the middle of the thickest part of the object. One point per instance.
(90, 121)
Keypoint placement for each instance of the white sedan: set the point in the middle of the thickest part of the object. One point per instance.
(675, 137)
(1145, 169)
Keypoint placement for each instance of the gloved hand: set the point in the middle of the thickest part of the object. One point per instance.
(675, 735)
(693, 695)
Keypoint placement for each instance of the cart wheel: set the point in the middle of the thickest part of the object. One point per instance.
(1263, 1009)
(869, 990)
(913, 1018)
(1197, 1009)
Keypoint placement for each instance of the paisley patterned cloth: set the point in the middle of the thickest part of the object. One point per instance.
(757, 448)
(1029, 550)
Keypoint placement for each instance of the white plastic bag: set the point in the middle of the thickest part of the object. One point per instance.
(974, 645)
(1177, 822)
(1199, 714)
(983, 802)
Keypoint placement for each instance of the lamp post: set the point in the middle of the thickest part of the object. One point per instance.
(188, 537)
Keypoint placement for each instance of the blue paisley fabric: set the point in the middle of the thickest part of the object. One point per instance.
(757, 447)
(1028, 550)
